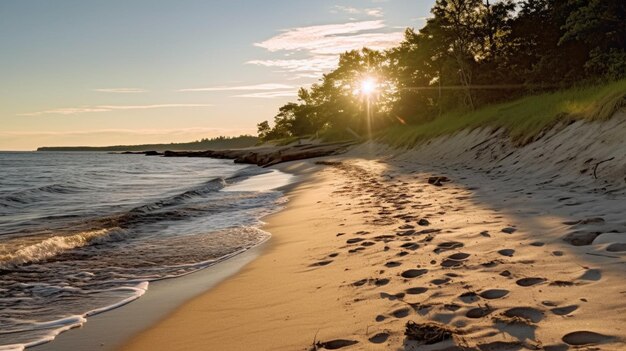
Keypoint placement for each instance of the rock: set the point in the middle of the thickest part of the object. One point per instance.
(267, 156)
(580, 238)
(438, 180)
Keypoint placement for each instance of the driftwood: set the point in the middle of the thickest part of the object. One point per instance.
(427, 333)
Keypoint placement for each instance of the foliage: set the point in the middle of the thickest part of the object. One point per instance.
(470, 54)
(523, 118)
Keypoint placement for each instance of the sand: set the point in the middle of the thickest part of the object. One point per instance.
(503, 248)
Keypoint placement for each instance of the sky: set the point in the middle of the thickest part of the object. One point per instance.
(88, 72)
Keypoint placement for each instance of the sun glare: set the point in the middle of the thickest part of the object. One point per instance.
(368, 86)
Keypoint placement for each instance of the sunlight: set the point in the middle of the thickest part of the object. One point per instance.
(368, 86)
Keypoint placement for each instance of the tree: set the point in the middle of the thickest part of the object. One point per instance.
(263, 129)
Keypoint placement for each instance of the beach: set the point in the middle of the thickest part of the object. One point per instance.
(502, 248)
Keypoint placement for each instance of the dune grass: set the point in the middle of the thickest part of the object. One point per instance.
(523, 119)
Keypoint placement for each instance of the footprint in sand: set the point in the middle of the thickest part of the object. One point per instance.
(468, 297)
(360, 282)
(579, 338)
(448, 245)
(392, 264)
(440, 281)
(525, 282)
(335, 344)
(410, 246)
(563, 311)
(478, 312)
(401, 313)
(494, 294)
(528, 313)
(508, 230)
(391, 297)
(451, 307)
(616, 247)
(381, 281)
(379, 338)
(320, 263)
(591, 274)
(455, 260)
(561, 283)
(416, 290)
(414, 273)
(506, 252)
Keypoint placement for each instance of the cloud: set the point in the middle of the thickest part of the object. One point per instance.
(322, 44)
(107, 108)
(269, 94)
(315, 64)
(121, 90)
(372, 12)
(331, 38)
(265, 86)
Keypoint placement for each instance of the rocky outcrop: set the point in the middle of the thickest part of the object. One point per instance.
(270, 155)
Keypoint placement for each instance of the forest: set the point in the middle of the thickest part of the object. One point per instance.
(470, 54)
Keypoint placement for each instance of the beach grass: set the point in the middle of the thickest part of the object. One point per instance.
(523, 119)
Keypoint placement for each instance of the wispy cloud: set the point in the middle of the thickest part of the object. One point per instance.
(269, 94)
(331, 39)
(106, 108)
(372, 12)
(316, 64)
(265, 86)
(322, 45)
(121, 90)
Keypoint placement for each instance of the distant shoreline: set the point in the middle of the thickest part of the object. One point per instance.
(241, 141)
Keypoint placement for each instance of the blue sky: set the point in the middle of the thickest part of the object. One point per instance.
(82, 72)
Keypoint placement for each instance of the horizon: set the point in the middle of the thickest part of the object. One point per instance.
(81, 74)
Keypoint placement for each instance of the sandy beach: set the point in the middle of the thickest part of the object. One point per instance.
(501, 251)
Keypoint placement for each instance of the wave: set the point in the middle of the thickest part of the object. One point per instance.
(28, 196)
(116, 227)
(52, 246)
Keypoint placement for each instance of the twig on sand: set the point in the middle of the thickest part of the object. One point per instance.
(314, 348)
(595, 168)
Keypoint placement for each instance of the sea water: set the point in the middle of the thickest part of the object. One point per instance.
(82, 233)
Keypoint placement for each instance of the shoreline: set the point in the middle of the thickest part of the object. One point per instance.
(498, 251)
(109, 329)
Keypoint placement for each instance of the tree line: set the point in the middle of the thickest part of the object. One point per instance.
(470, 53)
(215, 143)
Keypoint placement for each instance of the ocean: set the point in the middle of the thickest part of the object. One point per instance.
(82, 233)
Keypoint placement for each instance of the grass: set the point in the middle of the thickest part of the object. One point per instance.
(524, 119)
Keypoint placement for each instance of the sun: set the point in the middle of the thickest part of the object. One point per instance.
(368, 86)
